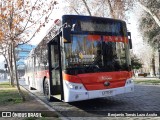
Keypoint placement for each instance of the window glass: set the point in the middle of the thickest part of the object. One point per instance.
(93, 53)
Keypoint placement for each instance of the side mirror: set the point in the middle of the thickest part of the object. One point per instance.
(130, 40)
(66, 34)
(66, 29)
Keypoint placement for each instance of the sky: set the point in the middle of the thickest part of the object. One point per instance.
(1, 62)
(56, 14)
(139, 45)
(40, 35)
(133, 28)
(131, 24)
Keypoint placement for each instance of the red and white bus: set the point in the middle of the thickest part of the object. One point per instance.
(86, 58)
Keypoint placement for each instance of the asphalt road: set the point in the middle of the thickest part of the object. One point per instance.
(145, 99)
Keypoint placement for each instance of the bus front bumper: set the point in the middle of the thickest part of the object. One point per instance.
(72, 95)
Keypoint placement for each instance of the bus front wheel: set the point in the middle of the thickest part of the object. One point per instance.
(46, 90)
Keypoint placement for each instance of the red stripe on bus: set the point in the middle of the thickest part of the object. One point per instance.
(108, 38)
(93, 37)
(71, 78)
(95, 81)
(41, 74)
(115, 39)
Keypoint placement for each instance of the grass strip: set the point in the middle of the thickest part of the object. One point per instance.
(9, 94)
(147, 81)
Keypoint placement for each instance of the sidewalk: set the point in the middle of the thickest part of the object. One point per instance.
(31, 105)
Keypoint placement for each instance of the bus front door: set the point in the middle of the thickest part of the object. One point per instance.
(56, 85)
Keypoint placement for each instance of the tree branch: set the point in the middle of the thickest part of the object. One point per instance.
(35, 31)
(151, 13)
(29, 17)
(73, 8)
(85, 3)
(111, 9)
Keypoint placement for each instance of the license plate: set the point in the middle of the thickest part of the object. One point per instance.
(107, 93)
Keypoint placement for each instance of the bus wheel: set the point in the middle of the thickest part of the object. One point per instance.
(46, 90)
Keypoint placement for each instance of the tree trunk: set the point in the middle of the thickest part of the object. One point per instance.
(153, 63)
(151, 13)
(16, 75)
(153, 71)
(10, 63)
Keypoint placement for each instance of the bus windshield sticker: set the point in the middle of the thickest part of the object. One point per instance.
(115, 39)
(94, 37)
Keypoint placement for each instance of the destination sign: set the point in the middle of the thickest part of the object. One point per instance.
(101, 27)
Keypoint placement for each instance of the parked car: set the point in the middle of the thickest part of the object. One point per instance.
(142, 74)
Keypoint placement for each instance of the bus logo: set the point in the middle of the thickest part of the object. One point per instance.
(106, 84)
(106, 78)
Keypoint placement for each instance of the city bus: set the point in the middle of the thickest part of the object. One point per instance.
(83, 57)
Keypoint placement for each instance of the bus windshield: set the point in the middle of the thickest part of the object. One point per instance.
(95, 53)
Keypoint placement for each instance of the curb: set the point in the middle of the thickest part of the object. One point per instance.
(45, 104)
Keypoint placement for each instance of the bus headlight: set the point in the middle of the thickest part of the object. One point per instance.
(75, 86)
(129, 81)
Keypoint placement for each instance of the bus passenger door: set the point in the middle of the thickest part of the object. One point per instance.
(56, 85)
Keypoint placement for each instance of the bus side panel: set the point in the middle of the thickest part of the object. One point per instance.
(39, 77)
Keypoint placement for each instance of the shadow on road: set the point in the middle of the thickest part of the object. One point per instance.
(97, 104)
(97, 107)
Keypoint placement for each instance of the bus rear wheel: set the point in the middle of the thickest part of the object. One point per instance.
(46, 90)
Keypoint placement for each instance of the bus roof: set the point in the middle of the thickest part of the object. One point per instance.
(90, 17)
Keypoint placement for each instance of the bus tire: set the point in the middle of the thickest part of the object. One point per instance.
(46, 90)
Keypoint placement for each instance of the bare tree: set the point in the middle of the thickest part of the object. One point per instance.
(154, 16)
(150, 27)
(87, 7)
(17, 18)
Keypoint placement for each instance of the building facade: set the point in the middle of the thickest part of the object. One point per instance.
(22, 52)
